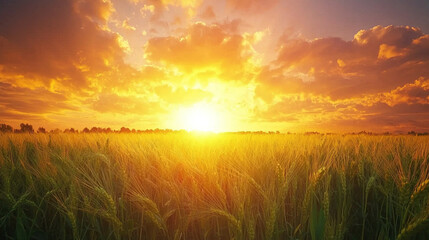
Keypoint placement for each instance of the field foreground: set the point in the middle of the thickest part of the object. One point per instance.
(225, 186)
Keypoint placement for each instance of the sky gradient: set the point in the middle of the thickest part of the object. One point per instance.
(234, 65)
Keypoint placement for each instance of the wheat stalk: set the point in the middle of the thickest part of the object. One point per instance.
(414, 228)
(151, 211)
(421, 191)
(72, 220)
(231, 219)
(270, 223)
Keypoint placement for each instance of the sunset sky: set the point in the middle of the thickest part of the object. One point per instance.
(220, 65)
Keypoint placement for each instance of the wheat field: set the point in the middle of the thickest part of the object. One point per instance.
(213, 186)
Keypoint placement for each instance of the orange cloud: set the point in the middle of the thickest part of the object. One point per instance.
(62, 41)
(126, 25)
(402, 109)
(208, 13)
(95, 10)
(368, 83)
(59, 57)
(386, 51)
(401, 36)
(24, 101)
(411, 93)
(202, 48)
(376, 60)
(251, 5)
(155, 8)
(113, 103)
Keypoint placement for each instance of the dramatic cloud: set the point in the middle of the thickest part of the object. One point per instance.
(141, 62)
(203, 48)
(401, 109)
(377, 81)
(411, 93)
(52, 40)
(26, 101)
(378, 59)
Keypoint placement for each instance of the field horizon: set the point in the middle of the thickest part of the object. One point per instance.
(28, 128)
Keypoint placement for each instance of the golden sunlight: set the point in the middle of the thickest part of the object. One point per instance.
(200, 118)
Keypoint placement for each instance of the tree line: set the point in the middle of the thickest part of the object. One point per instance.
(27, 128)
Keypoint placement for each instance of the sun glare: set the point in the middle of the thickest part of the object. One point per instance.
(200, 118)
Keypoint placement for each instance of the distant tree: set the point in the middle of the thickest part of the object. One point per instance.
(5, 128)
(311, 133)
(125, 130)
(70, 130)
(365, 133)
(26, 128)
(85, 130)
(41, 130)
(56, 130)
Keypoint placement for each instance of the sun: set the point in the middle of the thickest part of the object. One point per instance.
(200, 118)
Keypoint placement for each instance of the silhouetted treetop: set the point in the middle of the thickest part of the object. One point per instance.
(6, 128)
(26, 128)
